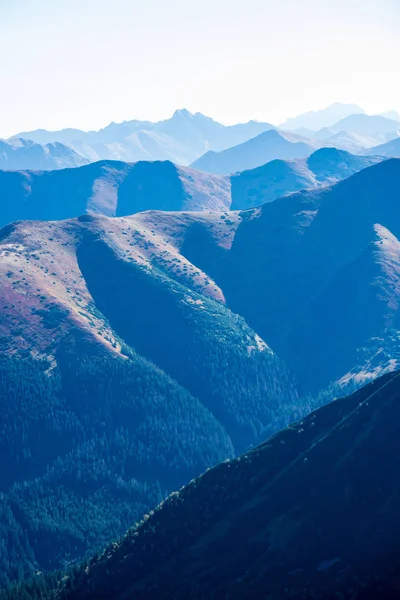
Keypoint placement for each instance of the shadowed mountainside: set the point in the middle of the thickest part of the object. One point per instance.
(309, 514)
(123, 375)
(319, 269)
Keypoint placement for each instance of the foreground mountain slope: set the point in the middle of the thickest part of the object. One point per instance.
(277, 178)
(267, 146)
(311, 513)
(19, 154)
(110, 188)
(115, 352)
(181, 139)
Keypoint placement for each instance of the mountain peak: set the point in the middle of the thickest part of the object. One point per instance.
(182, 113)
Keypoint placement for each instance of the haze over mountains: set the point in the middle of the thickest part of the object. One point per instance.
(186, 138)
(157, 319)
(181, 139)
(317, 119)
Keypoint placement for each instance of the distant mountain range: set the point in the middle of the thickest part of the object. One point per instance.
(19, 154)
(181, 139)
(315, 120)
(188, 138)
(366, 125)
(113, 188)
(391, 114)
(309, 515)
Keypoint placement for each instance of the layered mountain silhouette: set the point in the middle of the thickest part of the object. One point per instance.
(277, 178)
(137, 351)
(287, 266)
(181, 139)
(110, 188)
(315, 120)
(309, 514)
(18, 154)
(267, 146)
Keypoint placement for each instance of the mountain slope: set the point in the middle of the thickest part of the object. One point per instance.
(115, 352)
(110, 188)
(315, 120)
(267, 146)
(181, 139)
(315, 509)
(19, 154)
(389, 150)
(299, 260)
(108, 323)
(277, 178)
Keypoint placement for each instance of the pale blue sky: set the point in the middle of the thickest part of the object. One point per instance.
(83, 63)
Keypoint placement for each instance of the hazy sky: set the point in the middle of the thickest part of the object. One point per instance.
(84, 63)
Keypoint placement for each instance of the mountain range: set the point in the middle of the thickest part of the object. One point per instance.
(137, 351)
(315, 120)
(157, 320)
(115, 188)
(188, 138)
(181, 139)
(310, 514)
